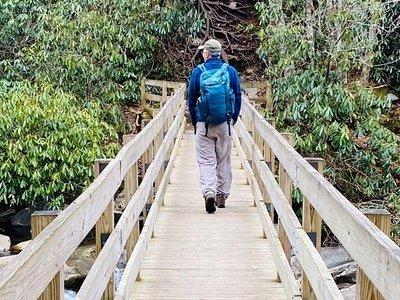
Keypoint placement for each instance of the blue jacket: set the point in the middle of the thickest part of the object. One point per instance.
(194, 87)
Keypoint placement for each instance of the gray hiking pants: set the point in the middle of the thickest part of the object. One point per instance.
(214, 158)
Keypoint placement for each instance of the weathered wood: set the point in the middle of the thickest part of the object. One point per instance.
(312, 224)
(286, 185)
(55, 244)
(103, 267)
(39, 221)
(365, 289)
(153, 97)
(5, 260)
(309, 258)
(354, 231)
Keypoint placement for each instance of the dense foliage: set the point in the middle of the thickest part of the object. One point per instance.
(318, 57)
(387, 61)
(86, 58)
(91, 48)
(48, 144)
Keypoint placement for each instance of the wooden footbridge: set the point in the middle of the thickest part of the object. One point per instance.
(180, 252)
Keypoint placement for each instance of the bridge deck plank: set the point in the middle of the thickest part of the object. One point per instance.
(199, 256)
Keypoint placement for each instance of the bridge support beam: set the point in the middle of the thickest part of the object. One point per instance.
(365, 289)
(39, 221)
(312, 224)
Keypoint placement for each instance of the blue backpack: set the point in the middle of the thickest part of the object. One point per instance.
(216, 104)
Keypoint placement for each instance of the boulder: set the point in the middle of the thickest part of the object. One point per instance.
(22, 218)
(79, 264)
(335, 256)
(5, 243)
(345, 272)
(20, 246)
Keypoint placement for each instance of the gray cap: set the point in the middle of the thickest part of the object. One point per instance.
(212, 46)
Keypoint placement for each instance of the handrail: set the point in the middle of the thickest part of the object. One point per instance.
(321, 280)
(46, 254)
(131, 271)
(289, 282)
(376, 254)
(104, 265)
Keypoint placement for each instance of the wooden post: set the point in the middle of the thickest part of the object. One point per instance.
(143, 93)
(365, 289)
(39, 221)
(164, 91)
(104, 226)
(131, 186)
(312, 224)
(268, 96)
(269, 159)
(286, 185)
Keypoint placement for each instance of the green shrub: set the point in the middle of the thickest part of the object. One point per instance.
(91, 48)
(318, 59)
(49, 143)
(341, 124)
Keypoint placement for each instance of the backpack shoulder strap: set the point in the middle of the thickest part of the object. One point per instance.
(224, 67)
(202, 68)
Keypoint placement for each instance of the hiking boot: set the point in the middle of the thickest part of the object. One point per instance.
(221, 201)
(210, 204)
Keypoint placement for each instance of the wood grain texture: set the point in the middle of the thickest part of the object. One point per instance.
(132, 268)
(284, 270)
(365, 289)
(356, 233)
(309, 258)
(104, 265)
(39, 221)
(195, 255)
(312, 223)
(42, 258)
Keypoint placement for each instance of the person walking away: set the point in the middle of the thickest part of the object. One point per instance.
(214, 104)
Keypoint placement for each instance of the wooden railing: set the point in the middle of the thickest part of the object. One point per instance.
(30, 273)
(156, 92)
(375, 253)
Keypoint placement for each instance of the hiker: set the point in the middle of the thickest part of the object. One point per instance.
(214, 104)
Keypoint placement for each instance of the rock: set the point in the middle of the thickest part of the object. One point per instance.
(349, 293)
(345, 272)
(120, 202)
(21, 246)
(22, 218)
(332, 256)
(5, 243)
(4, 261)
(79, 264)
(335, 256)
